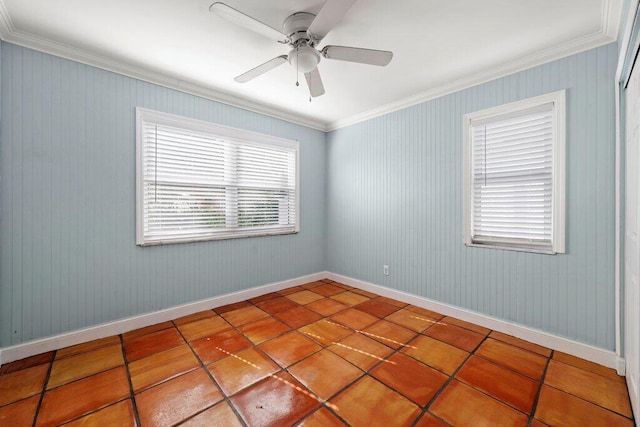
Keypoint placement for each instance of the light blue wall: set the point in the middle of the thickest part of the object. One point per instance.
(385, 191)
(395, 197)
(68, 257)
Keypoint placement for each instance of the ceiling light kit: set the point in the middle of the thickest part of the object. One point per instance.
(302, 31)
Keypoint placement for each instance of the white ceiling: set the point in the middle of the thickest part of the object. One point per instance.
(439, 46)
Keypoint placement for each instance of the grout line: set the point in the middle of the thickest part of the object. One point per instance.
(44, 388)
(534, 407)
(225, 398)
(132, 395)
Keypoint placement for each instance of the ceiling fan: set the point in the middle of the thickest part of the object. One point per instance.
(303, 31)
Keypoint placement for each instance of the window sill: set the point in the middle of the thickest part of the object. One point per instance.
(210, 238)
(530, 249)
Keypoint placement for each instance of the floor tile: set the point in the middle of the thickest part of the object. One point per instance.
(298, 317)
(361, 351)
(327, 290)
(439, 355)
(389, 334)
(377, 308)
(119, 414)
(161, 366)
(241, 370)
(326, 306)
(322, 418)
(429, 420)
(602, 391)
(325, 332)
(312, 285)
(587, 366)
(304, 297)
(263, 298)
(219, 346)
(274, 402)
(177, 399)
(137, 333)
(392, 301)
(460, 404)
(277, 305)
(244, 315)
(155, 342)
(525, 362)
(204, 327)
(195, 316)
(20, 413)
(62, 404)
(24, 383)
(220, 415)
(289, 348)
(425, 312)
(557, 408)
(28, 362)
(355, 319)
(349, 298)
(314, 371)
(466, 325)
(456, 336)
(368, 402)
(411, 320)
(364, 293)
(534, 348)
(536, 423)
(292, 290)
(87, 346)
(230, 307)
(502, 383)
(84, 364)
(263, 329)
(410, 378)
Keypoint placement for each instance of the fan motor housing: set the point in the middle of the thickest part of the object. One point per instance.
(296, 25)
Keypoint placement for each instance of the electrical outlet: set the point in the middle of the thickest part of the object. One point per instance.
(385, 270)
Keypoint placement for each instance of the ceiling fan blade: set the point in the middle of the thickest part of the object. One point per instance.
(328, 17)
(356, 54)
(316, 88)
(243, 20)
(261, 69)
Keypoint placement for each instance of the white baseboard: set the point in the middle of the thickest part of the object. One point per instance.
(43, 345)
(585, 351)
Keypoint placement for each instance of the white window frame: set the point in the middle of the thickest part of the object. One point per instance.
(219, 132)
(558, 174)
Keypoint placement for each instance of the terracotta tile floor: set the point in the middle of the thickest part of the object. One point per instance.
(320, 354)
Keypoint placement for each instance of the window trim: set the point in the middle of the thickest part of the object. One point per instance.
(220, 131)
(558, 200)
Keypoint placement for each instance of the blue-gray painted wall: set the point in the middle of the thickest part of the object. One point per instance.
(395, 197)
(387, 190)
(67, 244)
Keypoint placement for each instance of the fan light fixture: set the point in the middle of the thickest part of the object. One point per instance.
(304, 58)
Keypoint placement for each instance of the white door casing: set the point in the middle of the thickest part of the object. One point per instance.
(632, 239)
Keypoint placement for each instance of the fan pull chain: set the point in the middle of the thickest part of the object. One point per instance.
(297, 70)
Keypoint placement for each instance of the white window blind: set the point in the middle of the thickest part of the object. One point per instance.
(512, 174)
(200, 181)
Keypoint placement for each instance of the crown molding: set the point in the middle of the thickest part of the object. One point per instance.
(611, 17)
(610, 23)
(6, 24)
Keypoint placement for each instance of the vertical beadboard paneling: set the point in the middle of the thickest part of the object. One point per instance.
(395, 197)
(68, 257)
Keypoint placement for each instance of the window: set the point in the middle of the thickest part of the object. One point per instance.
(201, 181)
(514, 165)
